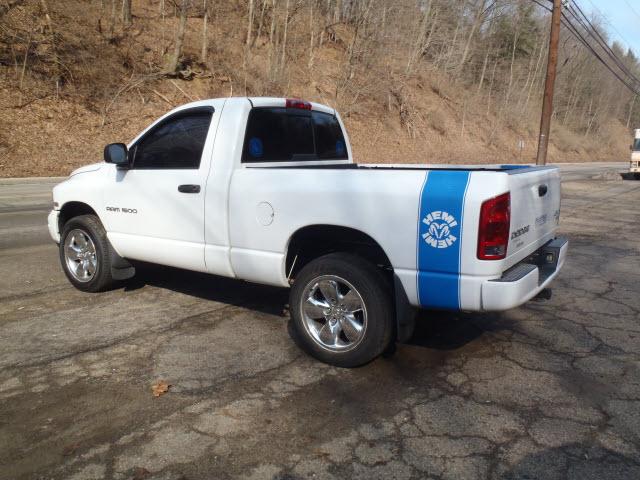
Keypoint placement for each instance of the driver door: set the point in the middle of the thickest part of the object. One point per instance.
(154, 211)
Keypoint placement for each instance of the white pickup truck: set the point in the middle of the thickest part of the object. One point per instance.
(266, 190)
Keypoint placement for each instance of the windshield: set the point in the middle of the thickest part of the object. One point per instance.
(636, 145)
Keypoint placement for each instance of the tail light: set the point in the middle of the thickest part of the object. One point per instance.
(297, 103)
(493, 232)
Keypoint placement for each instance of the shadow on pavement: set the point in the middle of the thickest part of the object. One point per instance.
(435, 329)
(262, 298)
(446, 330)
(576, 460)
(630, 176)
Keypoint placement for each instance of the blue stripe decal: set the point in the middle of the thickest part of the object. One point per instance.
(439, 238)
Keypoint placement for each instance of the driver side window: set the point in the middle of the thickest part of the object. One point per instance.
(176, 143)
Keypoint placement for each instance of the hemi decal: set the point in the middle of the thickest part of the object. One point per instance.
(440, 238)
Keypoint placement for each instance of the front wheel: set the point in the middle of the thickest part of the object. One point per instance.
(85, 254)
(341, 309)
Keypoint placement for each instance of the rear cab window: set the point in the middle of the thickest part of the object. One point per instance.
(278, 134)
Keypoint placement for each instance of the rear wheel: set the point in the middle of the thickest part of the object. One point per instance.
(85, 254)
(341, 310)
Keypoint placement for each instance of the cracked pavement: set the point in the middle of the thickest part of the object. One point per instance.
(549, 390)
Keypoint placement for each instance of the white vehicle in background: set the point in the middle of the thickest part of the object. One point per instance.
(266, 190)
(634, 166)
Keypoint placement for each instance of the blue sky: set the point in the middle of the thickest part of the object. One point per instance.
(622, 19)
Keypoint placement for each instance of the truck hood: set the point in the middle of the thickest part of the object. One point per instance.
(87, 168)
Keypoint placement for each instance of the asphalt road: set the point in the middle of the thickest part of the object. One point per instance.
(548, 390)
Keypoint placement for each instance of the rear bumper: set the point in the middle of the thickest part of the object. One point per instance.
(526, 279)
(52, 223)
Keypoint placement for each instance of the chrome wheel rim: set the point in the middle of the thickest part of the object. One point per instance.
(333, 313)
(80, 255)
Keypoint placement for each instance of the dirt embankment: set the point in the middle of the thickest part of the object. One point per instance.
(63, 97)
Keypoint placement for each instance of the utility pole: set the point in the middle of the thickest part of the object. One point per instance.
(547, 101)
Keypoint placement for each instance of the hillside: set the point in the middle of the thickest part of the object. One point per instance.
(76, 74)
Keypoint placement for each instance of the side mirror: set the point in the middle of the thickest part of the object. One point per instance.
(117, 154)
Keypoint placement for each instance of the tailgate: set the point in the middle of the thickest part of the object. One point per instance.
(535, 210)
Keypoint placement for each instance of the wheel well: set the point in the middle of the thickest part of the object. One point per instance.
(73, 209)
(313, 241)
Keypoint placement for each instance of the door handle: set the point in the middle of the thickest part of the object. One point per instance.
(542, 190)
(189, 188)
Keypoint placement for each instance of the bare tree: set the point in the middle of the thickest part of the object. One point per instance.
(284, 35)
(205, 39)
(421, 38)
(174, 59)
(630, 110)
(127, 18)
(250, 23)
(480, 12)
(52, 40)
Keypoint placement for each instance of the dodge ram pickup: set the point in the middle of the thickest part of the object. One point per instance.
(266, 190)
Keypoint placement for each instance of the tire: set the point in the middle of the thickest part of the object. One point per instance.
(341, 333)
(83, 243)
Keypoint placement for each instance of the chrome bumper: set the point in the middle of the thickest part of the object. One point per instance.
(526, 279)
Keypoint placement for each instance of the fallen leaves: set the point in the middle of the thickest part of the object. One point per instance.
(140, 473)
(160, 388)
(69, 450)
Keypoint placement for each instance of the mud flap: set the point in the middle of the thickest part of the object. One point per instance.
(405, 313)
(121, 269)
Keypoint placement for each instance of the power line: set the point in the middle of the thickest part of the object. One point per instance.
(632, 9)
(633, 86)
(606, 19)
(576, 33)
(595, 34)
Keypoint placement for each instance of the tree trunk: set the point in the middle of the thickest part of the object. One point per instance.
(337, 16)
(589, 119)
(260, 23)
(112, 26)
(535, 76)
(454, 40)
(516, 35)
(484, 69)
(631, 111)
(311, 36)
(174, 60)
(272, 38)
(419, 41)
(205, 40)
(250, 23)
(52, 39)
(283, 56)
(162, 45)
(493, 76)
(476, 23)
(127, 18)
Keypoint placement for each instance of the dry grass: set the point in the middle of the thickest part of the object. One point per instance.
(109, 93)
